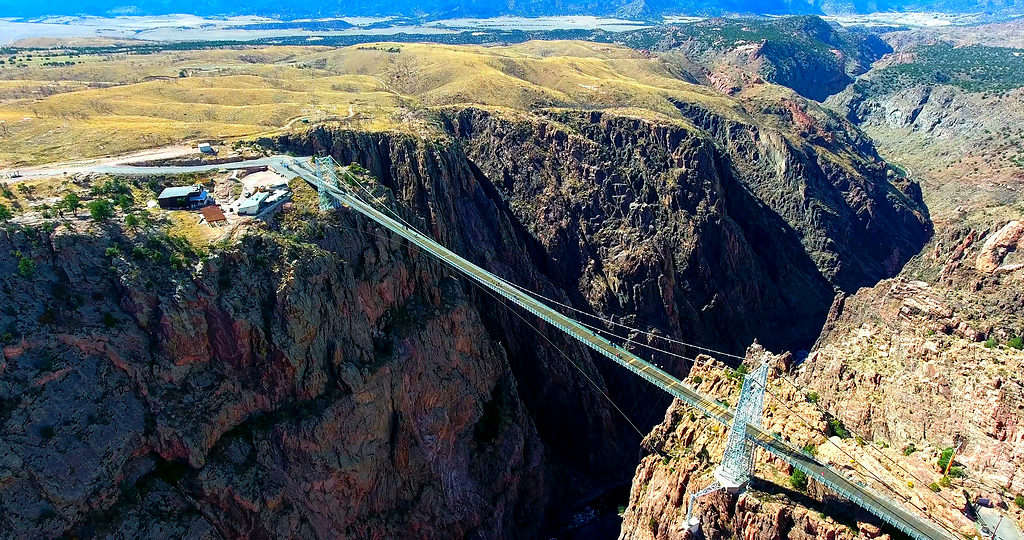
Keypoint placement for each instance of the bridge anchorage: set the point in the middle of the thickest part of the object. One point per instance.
(744, 423)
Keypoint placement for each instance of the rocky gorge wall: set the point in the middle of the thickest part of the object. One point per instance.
(317, 377)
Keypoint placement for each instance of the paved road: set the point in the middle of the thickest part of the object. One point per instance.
(89, 165)
(988, 518)
(119, 165)
(272, 161)
(889, 511)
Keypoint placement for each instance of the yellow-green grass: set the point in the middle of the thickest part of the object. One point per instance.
(243, 92)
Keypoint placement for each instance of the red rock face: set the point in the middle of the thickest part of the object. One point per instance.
(1008, 239)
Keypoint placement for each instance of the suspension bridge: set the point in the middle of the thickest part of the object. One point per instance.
(743, 423)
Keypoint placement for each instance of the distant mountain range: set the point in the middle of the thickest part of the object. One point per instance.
(642, 9)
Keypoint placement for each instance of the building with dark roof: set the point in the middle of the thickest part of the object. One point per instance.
(183, 197)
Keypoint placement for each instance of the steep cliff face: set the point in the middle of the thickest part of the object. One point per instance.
(332, 386)
(727, 224)
(317, 377)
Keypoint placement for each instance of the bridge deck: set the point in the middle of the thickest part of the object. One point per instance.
(890, 511)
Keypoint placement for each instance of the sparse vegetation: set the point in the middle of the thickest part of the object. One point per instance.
(71, 203)
(737, 374)
(798, 480)
(975, 68)
(26, 266)
(836, 427)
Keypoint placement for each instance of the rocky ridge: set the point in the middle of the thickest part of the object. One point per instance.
(805, 53)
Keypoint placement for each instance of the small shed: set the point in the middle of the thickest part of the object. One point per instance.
(213, 214)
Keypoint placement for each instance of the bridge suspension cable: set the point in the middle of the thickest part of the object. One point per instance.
(782, 377)
(889, 511)
(564, 355)
(692, 361)
(569, 359)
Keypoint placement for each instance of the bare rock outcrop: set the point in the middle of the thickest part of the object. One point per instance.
(994, 252)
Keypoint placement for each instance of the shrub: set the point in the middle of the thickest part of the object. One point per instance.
(836, 427)
(909, 449)
(26, 267)
(1019, 501)
(1016, 342)
(125, 202)
(798, 480)
(132, 221)
(934, 487)
(737, 374)
(991, 342)
(812, 397)
(696, 380)
(5, 213)
(945, 482)
(944, 457)
(100, 210)
(810, 449)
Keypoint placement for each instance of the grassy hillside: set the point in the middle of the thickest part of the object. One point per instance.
(115, 103)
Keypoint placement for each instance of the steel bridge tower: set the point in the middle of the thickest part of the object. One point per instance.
(733, 474)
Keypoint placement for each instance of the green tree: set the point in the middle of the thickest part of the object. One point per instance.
(71, 203)
(100, 210)
(836, 427)
(5, 213)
